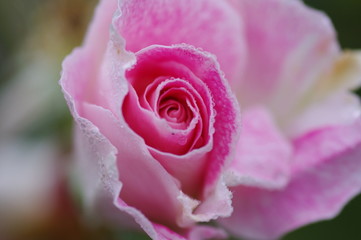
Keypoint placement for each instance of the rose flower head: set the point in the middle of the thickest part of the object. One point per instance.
(157, 90)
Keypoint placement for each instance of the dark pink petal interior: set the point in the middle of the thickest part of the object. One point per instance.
(165, 108)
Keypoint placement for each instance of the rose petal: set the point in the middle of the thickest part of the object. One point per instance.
(165, 68)
(326, 175)
(157, 132)
(144, 23)
(329, 101)
(106, 188)
(288, 45)
(263, 155)
(138, 171)
(206, 232)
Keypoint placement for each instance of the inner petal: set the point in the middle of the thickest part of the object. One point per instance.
(172, 120)
(173, 106)
(172, 111)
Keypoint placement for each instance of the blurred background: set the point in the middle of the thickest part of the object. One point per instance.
(38, 199)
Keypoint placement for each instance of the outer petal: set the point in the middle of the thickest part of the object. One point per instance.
(329, 101)
(263, 155)
(206, 232)
(209, 24)
(99, 156)
(288, 46)
(326, 175)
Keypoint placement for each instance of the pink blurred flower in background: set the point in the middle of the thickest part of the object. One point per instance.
(159, 122)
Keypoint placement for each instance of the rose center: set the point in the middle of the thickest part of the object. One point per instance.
(174, 106)
(172, 111)
(168, 105)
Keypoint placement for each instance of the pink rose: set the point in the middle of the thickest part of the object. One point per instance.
(159, 121)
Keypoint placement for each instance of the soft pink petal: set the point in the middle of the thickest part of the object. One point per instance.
(138, 171)
(263, 155)
(105, 189)
(340, 108)
(188, 169)
(288, 46)
(326, 175)
(329, 101)
(102, 191)
(209, 24)
(166, 234)
(331, 141)
(206, 232)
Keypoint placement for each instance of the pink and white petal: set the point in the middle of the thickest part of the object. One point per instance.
(263, 155)
(344, 75)
(167, 22)
(161, 207)
(329, 102)
(218, 203)
(200, 232)
(316, 147)
(138, 171)
(327, 174)
(96, 150)
(188, 169)
(155, 231)
(195, 233)
(167, 234)
(288, 45)
(105, 189)
(338, 109)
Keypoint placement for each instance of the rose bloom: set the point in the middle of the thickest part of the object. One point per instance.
(157, 89)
